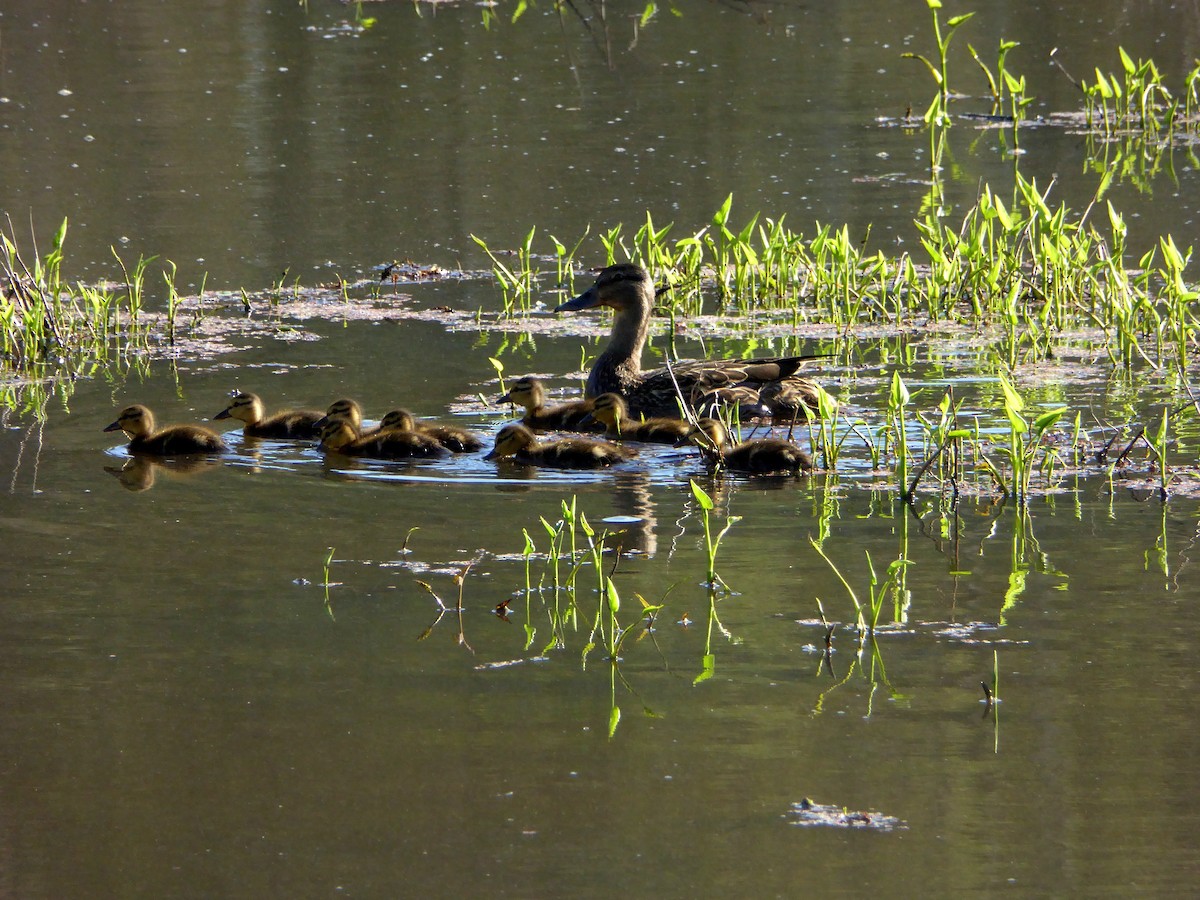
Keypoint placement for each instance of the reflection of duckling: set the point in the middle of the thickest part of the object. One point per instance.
(138, 472)
(530, 393)
(758, 455)
(138, 422)
(456, 440)
(339, 436)
(520, 443)
(629, 291)
(614, 413)
(292, 423)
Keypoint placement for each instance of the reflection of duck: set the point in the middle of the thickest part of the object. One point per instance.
(139, 471)
(758, 455)
(454, 439)
(629, 291)
(612, 411)
(530, 393)
(138, 423)
(522, 445)
(339, 436)
(291, 423)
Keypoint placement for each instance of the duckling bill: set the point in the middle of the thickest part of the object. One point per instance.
(138, 424)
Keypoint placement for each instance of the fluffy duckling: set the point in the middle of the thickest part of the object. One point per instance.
(340, 436)
(758, 455)
(292, 423)
(138, 423)
(785, 400)
(612, 410)
(456, 440)
(519, 442)
(530, 393)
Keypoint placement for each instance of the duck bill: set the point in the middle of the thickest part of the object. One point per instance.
(491, 454)
(587, 300)
(115, 426)
(506, 397)
(223, 414)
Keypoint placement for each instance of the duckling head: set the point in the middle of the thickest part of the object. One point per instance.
(527, 392)
(345, 409)
(398, 419)
(136, 421)
(244, 407)
(610, 409)
(709, 435)
(620, 287)
(511, 439)
(337, 432)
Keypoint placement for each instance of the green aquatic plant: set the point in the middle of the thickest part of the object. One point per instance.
(938, 111)
(867, 615)
(711, 543)
(1024, 443)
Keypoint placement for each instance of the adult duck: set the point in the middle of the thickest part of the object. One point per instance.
(522, 444)
(138, 424)
(629, 291)
(291, 423)
(758, 456)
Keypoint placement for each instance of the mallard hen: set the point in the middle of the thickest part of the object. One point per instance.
(454, 439)
(760, 456)
(519, 442)
(530, 393)
(612, 411)
(629, 291)
(339, 436)
(292, 423)
(138, 423)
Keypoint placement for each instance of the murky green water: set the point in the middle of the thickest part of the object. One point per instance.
(188, 713)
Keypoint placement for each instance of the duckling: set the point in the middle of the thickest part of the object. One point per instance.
(292, 423)
(519, 442)
(530, 393)
(758, 455)
(343, 409)
(456, 440)
(614, 413)
(629, 291)
(785, 400)
(138, 423)
(340, 436)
